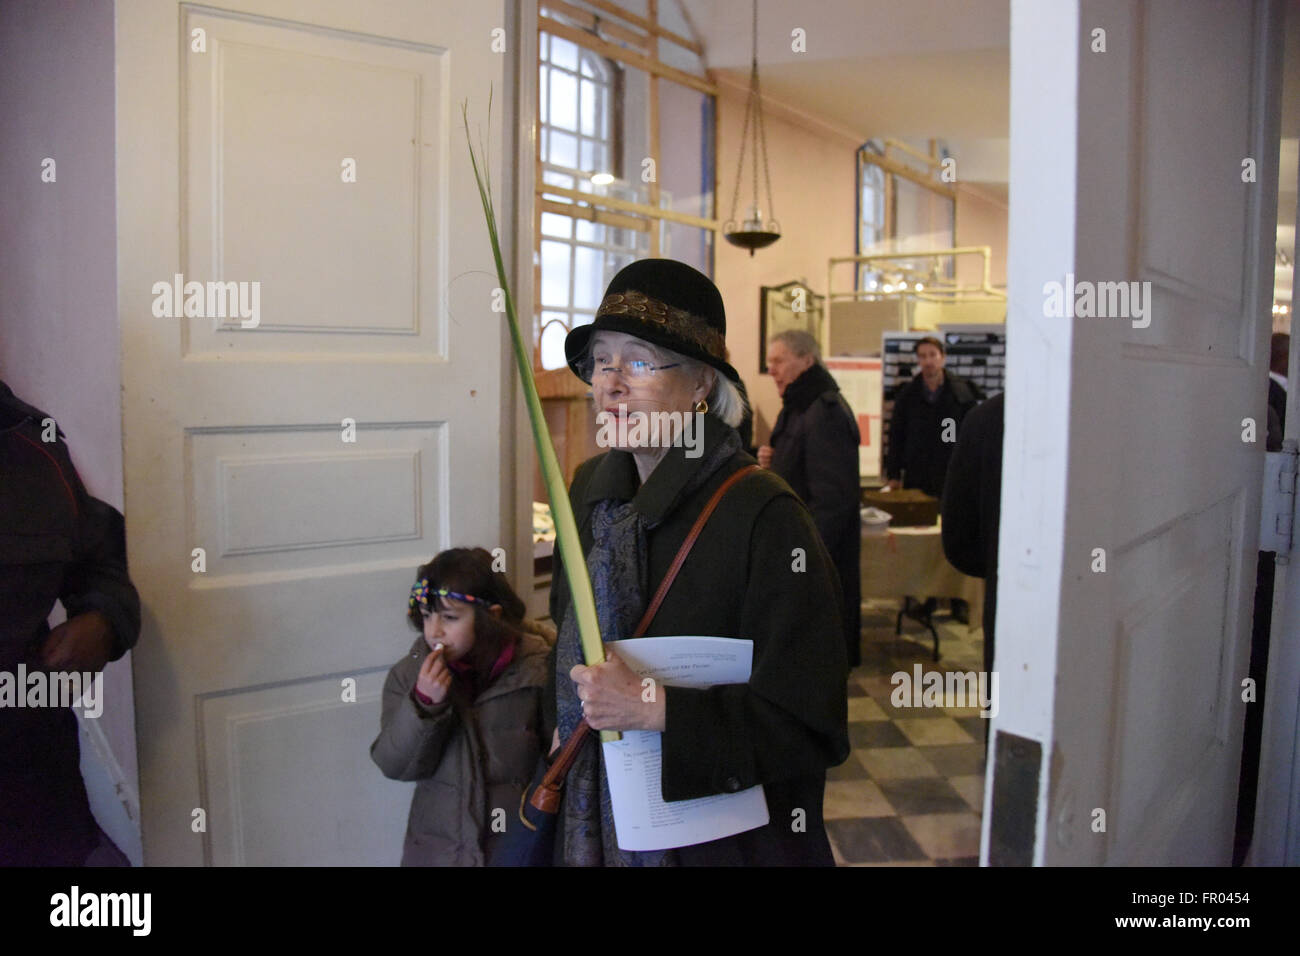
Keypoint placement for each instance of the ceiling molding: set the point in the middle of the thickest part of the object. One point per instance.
(795, 115)
(981, 194)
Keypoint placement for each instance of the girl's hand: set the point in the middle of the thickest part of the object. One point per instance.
(613, 698)
(435, 678)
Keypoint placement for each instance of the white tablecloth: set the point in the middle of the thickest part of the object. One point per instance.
(910, 562)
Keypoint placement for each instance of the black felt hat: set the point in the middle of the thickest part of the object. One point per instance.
(664, 302)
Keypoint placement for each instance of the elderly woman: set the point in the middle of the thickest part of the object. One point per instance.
(758, 571)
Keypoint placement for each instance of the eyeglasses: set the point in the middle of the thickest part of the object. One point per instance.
(637, 370)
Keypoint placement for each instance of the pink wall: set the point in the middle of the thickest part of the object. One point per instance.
(813, 192)
(981, 221)
(813, 187)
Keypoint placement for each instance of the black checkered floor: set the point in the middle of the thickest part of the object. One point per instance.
(912, 791)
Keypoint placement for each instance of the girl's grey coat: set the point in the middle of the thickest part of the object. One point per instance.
(468, 759)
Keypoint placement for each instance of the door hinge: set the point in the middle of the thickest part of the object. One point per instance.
(1277, 510)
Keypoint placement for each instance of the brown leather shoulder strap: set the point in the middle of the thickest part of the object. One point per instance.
(685, 549)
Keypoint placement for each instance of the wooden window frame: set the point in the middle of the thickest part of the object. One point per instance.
(645, 35)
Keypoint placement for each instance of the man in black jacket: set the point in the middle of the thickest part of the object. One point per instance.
(815, 449)
(56, 542)
(927, 413)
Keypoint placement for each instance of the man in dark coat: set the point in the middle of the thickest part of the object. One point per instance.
(57, 542)
(927, 413)
(815, 449)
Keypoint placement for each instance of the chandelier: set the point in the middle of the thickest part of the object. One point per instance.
(753, 233)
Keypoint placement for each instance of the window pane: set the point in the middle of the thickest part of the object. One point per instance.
(923, 217)
(588, 231)
(588, 278)
(554, 224)
(555, 274)
(593, 157)
(542, 93)
(614, 261)
(564, 100)
(589, 119)
(564, 150)
(564, 53)
(553, 337)
(554, 178)
(687, 244)
(685, 168)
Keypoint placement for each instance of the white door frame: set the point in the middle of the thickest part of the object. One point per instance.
(1084, 170)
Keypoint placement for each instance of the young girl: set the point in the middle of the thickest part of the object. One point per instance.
(462, 712)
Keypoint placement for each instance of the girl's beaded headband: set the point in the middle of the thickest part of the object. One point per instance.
(420, 594)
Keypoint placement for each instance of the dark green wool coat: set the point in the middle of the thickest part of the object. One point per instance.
(758, 571)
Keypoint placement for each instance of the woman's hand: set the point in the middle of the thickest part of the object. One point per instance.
(613, 699)
(765, 456)
(435, 678)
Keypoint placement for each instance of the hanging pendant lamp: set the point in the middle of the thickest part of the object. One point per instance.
(753, 233)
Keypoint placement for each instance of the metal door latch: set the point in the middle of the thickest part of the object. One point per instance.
(1277, 509)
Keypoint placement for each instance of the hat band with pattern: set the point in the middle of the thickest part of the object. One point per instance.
(677, 322)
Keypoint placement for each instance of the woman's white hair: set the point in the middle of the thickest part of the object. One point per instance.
(725, 400)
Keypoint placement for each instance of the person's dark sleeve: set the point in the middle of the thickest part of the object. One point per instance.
(97, 579)
(963, 537)
(897, 436)
(1277, 401)
(1273, 440)
(791, 719)
(831, 464)
(559, 606)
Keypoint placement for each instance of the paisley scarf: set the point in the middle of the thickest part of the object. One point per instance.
(617, 563)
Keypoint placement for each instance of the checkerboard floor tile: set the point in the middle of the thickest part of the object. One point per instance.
(912, 791)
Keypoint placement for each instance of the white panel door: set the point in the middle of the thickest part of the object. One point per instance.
(309, 157)
(1121, 719)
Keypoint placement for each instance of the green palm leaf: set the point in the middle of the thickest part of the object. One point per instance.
(566, 526)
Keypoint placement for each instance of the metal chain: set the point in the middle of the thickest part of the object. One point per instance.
(744, 132)
(754, 109)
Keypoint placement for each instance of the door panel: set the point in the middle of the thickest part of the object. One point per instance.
(1123, 630)
(373, 295)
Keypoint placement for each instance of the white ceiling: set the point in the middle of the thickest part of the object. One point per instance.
(910, 69)
(914, 70)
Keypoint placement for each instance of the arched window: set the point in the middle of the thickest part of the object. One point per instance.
(580, 94)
